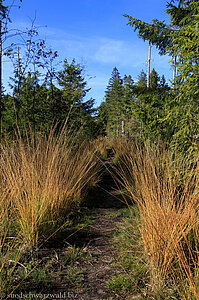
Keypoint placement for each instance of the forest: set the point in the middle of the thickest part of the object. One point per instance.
(100, 203)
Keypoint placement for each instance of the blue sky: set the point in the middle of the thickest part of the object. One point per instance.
(94, 32)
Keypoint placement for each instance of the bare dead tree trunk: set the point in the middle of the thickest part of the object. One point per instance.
(149, 65)
(123, 130)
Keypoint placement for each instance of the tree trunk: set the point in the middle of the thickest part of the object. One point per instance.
(149, 65)
(123, 130)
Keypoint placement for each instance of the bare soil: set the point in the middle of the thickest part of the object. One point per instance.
(97, 269)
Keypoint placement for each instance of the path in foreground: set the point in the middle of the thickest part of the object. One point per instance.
(85, 276)
(97, 243)
(98, 268)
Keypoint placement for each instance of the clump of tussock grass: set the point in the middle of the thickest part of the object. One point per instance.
(165, 188)
(44, 177)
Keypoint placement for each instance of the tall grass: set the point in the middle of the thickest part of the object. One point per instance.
(166, 191)
(44, 177)
(10, 249)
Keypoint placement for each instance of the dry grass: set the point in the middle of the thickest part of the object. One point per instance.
(167, 195)
(43, 177)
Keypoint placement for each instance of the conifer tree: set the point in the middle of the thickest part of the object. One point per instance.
(72, 104)
(130, 122)
(154, 79)
(142, 80)
(102, 118)
(185, 111)
(179, 39)
(113, 97)
(150, 107)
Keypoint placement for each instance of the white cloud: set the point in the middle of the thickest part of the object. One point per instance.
(101, 55)
(98, 49)
(109, 51)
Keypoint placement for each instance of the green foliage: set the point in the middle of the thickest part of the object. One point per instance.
(178, 114)
(72, 104)
(130, 122)
(116, 112)
(113, 98)
(41, 103)
(186, 48)
(158, 33)
(102, 118)
(151, 106)
(141, 110)
(142, 81)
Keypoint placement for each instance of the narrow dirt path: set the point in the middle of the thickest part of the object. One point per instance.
(83, 273)
(99, 269)
(97, 243)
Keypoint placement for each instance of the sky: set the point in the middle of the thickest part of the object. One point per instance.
(94, 32)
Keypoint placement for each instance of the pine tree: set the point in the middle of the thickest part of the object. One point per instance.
(130, 122)
(179, 39)
(142, 80)
(102, 118)
(72, 104)
(154, 79)
(185, 111)
(150, 107)
(113, 97)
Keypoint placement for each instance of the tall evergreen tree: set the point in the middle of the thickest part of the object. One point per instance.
(102, 118)
(142, 80)
(130, 122)
(154, 79)
(72, 104)
(180, 39)
(185, 111)
(150, 106)
(32, 107)
(113, 97)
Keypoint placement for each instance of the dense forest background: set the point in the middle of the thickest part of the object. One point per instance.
(44, 93)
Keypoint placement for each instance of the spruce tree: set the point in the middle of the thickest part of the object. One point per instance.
(150, 107)
(185, 111)
(102, 118)
(113, 97)
(72, 104)
(154, 79)
(179, 39)
(130, 122)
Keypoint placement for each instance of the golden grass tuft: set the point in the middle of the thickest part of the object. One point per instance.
(166, 191)
(43, 177)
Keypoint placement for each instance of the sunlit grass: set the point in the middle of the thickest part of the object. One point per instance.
(165, 188)
(45, 176)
